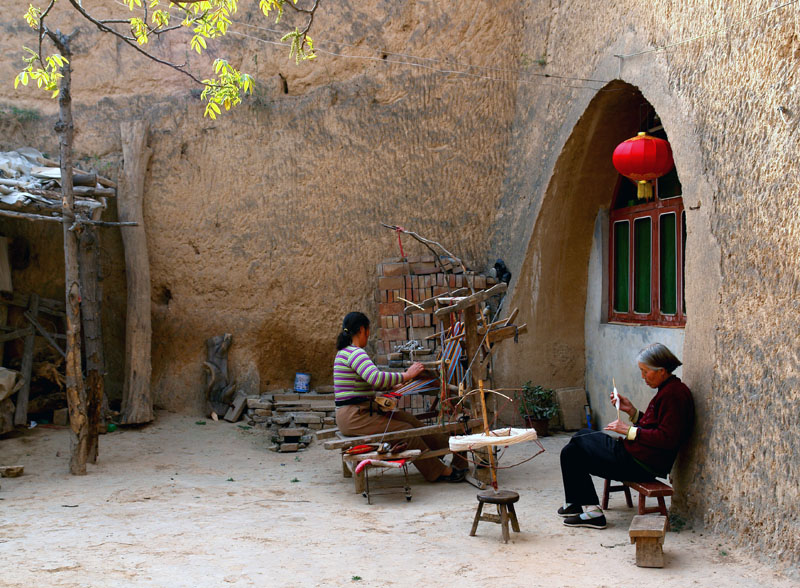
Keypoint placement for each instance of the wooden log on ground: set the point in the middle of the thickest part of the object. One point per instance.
(137, 403)
(21, 413)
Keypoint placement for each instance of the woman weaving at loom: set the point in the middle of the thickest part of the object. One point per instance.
(355, 382)
(647, 450)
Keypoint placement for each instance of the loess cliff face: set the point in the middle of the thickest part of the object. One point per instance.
(265, 222)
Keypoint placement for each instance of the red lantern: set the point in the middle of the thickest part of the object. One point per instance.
(643, 158)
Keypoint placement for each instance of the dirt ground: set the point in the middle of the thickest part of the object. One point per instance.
(182, 504)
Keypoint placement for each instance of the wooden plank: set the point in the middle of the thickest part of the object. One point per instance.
(407, 454)
(473, 300)
(395, 435)
(5, 267)
(21, 414)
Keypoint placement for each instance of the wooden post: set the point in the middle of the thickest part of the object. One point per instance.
(21, 414)
(137, 403)
(92, 333)
(472, 342)
(76, 394)
(486, 432)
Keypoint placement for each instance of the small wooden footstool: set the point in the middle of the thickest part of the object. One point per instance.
(647, 532)
(504, 499)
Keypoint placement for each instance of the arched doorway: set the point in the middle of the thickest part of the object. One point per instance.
(563, 286)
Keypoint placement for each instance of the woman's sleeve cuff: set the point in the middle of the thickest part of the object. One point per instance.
(636, 417)
(631, 433)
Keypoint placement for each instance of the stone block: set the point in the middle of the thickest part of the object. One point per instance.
(289, 447)
(315, 426)
(257, 402)
(295, 432)
(326, 433)
(570, 403)
(61, 417)
(308, 418)
(281, 419)
(263, 412)
(235, 411)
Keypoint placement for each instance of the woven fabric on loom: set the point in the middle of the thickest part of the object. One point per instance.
(452, 359)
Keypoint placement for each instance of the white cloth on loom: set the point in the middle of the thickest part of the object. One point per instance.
(501, 437)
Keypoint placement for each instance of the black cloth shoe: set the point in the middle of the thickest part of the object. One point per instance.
(455, 476)
(570, 511)
(592, 523)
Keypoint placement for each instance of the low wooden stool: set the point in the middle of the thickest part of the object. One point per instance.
(655, 489)
(504, 499)
(648, 532)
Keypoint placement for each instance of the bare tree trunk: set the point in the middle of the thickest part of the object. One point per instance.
(76, 393)
(137, 403)
(92, 333)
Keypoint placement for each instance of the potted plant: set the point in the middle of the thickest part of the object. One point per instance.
(537, 405)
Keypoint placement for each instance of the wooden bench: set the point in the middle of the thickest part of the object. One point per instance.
(654, 489)
(648, 532)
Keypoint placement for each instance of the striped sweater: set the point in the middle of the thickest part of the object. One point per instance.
(354, 375)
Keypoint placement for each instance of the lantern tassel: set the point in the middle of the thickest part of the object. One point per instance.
(644, 190)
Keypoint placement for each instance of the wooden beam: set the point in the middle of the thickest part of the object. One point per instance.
(395, 435)
(506, 333)
(16, 334)
(473, 300)
(21, 414)
(137, 400)
(44, 333)
(431, 302)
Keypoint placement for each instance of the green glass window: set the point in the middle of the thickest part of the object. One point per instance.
(642, 241)
(668, 264)
(621, 252)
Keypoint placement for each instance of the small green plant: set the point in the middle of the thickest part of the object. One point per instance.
(293, 480)
(537, 402)
(676, 522)
(356, 578)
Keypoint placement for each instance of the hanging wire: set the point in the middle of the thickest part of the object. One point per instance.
(711, 33)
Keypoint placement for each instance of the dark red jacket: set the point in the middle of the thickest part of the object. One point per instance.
(664, 427)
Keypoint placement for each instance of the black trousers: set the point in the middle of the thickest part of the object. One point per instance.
(592, 453)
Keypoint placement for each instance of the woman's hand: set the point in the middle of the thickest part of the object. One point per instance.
(413, 371)
(625, 405)
(618, 427)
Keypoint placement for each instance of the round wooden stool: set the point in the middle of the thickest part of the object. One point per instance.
(504, 499)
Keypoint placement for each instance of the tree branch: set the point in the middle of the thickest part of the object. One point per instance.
(105, 28)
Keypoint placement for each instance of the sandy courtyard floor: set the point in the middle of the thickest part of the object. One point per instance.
(180, 504)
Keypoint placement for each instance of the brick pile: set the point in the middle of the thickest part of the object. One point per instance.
(414, 279)
(291, 418)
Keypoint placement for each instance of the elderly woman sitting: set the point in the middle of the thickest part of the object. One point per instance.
(647, 450)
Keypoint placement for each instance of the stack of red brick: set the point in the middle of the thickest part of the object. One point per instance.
(414, 279)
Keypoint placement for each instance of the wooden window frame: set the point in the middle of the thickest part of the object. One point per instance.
(652, 209)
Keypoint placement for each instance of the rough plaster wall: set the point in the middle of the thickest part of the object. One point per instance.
(738, 160)
(265, 223)
(611, 349)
